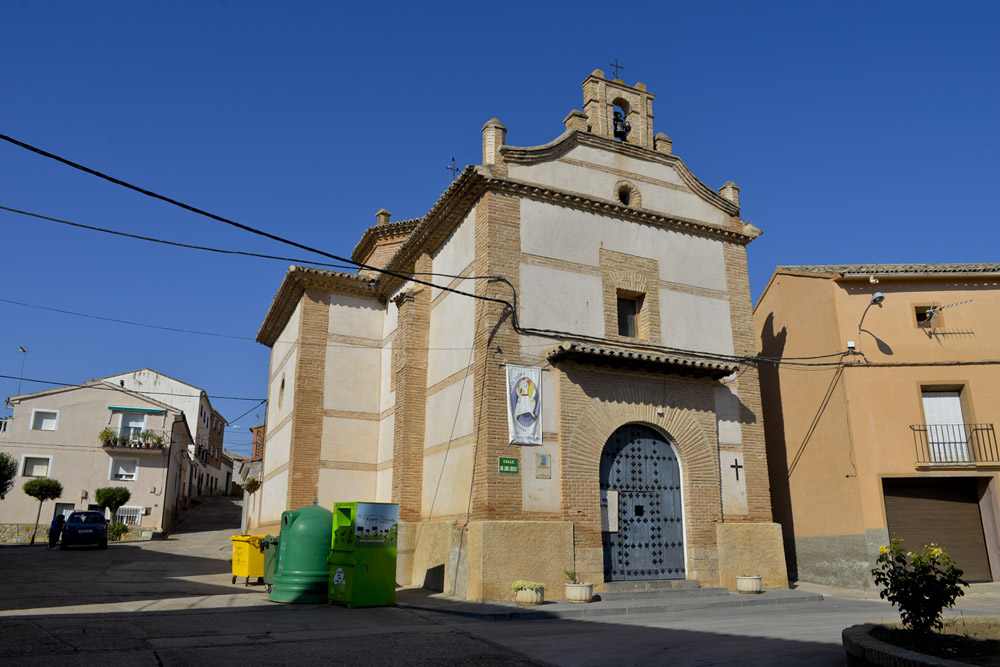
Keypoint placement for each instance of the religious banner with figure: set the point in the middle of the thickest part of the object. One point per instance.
(524, 405)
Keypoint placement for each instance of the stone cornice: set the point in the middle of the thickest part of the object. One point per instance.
(378, 233)
(572, 138)
(297, 280)
(746, 234)
(680, 364)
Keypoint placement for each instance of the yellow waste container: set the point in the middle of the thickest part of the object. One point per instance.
(248, 558)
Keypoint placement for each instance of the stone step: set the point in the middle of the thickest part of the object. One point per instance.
(661, 593)
(657, 584)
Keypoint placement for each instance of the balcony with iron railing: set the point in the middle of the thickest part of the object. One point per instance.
(133, 440)
(955, 444)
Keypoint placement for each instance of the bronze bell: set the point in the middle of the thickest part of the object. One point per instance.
(621, 127)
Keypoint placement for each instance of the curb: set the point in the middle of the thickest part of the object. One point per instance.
(497, 612)
(863, 649)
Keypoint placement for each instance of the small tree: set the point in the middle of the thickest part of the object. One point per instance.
(8, 471)
(42, 489)
(920, 583)
(112, 497)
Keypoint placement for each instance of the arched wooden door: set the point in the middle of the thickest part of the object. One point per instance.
(642, 467)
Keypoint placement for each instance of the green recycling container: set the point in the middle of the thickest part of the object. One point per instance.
(301, 572)
(362, 555)
(269, 545)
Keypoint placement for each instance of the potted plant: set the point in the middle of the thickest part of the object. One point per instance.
(151, 439)
(107, 437)
(528, 592)
(749, 584)
(576, 590)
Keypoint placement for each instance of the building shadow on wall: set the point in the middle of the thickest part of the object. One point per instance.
(772, 346)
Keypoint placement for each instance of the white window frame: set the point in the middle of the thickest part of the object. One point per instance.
(34, 411)
(24, 460)
(111, 469)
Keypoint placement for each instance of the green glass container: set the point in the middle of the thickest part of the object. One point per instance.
(301, 573)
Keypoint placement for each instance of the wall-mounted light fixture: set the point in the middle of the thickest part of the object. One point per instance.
(877, 299)
(83, 494)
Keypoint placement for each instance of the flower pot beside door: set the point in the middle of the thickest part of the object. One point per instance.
(749, 584)
(579, 593)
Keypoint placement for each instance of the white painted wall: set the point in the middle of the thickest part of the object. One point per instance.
(349, 440)
(578, 236)
(274, 495)
(447, 481)
(349, 379)
(352, 316)
(455, 254)
(449, 413)
(691, 322)
(337, 486)
(561, 301)
(603, 169)
(452, 332)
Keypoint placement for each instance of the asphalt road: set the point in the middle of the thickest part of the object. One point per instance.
(171, 602)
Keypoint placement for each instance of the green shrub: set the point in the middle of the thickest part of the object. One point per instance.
(522, 585)
(112, 497)
(920, 583)
(116, 531)
(8, 471)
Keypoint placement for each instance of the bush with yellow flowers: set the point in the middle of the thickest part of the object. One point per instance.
(921, 584)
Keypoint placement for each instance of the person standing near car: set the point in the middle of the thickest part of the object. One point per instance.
(55, 529)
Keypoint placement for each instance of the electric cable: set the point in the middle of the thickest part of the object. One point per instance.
(171, 243)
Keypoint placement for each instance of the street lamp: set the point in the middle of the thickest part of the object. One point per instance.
(877, 299)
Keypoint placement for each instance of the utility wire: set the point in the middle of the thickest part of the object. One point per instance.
(231, 421)
(238, 225)
(117, 321)
(172, 243)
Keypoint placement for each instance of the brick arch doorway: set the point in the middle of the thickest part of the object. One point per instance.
(641, 466)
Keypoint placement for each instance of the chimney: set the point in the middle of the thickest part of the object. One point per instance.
(382, 216)
(731, 191)
(494, 135)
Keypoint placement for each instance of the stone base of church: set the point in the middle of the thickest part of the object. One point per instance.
(481, 560)
(751, 549)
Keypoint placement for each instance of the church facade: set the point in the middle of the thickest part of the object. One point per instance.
(547, 371)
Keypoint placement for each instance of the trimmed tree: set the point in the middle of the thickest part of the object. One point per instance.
(8, 471)
(112, 497)
(42, 489)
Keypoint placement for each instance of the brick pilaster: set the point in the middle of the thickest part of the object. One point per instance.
(498, 248)
(307, 413)
(409, 370)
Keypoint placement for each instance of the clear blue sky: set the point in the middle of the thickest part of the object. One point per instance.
(858, 132)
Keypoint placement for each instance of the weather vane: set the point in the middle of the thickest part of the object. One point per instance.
(616, 66)
(453, 168)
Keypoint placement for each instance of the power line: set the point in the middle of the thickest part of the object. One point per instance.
(171, 243)
(117, 321)
(238, 225)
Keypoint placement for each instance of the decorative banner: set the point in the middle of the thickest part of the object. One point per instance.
(524, 405)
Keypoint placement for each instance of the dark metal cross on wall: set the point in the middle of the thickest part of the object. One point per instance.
(616, 66)
(737, 467)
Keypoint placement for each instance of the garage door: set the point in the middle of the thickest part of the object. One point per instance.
(943, 511)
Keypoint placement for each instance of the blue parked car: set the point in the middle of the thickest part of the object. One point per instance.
(87, 527)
